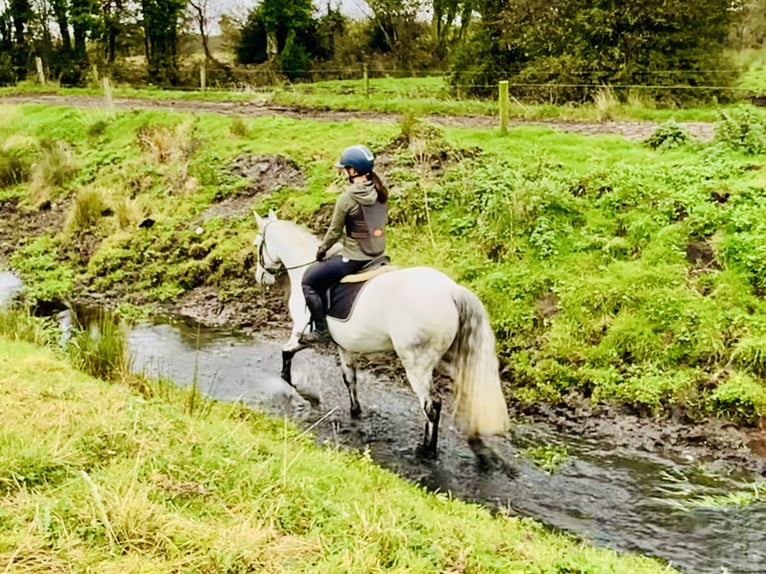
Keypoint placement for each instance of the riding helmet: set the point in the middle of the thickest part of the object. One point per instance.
(357, 156)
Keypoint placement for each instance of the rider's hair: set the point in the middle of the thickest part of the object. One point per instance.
(380, 187)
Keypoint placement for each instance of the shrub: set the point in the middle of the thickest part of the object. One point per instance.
(742, 130)
(740, 397)
(668, 135)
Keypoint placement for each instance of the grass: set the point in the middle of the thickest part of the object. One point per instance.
(548, 457)
(423, 96)
(100, 348)
(628, 272)
(97, 478)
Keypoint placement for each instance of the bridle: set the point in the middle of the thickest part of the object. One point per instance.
(263, 250)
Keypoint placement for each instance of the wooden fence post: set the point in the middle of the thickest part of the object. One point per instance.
(40, 71)
(366, 82)
(108, 96)
(202, 77)
(503, 97)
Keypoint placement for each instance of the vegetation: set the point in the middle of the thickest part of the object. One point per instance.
(566, 51)
(626, 272)
(97, 477)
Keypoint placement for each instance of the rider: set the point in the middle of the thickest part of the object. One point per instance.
(361, 209)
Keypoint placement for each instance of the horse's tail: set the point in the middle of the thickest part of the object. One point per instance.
(479, 402)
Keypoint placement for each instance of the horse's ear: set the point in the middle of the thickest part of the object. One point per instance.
(259, 220)
(272, 215)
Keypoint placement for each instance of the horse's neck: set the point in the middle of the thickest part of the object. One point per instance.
(295, 252)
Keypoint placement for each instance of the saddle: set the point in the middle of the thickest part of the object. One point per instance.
(340, 298)
(381, 264)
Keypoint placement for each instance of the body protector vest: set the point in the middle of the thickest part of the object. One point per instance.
(368, 227)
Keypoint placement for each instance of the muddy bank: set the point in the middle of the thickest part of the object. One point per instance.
(634, 130)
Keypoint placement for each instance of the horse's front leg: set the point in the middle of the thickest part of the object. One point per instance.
(348, 366)
(297, 307)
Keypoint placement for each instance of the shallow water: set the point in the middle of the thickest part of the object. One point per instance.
(619, 497)
(10, 287)
(616, 497)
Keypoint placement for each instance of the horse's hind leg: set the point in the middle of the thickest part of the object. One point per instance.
(419, 365)
(348, 366)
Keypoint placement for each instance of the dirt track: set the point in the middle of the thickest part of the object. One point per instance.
(634, 130)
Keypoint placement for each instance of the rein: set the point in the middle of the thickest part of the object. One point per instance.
(263, 249)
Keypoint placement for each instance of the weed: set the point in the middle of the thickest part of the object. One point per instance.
(606, 103)
(15, 162)
(741, 129)
(548, 457)
(668, 135)
(238, 128)
(45, 276)
(18, 322)
(100, 348)
(86, 210)
(741, 397)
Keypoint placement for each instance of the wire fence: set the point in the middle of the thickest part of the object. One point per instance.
(440, 83)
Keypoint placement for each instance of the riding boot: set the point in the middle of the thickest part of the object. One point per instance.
(320, 334)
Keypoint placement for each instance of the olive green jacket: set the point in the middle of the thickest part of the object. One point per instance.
(348, 203)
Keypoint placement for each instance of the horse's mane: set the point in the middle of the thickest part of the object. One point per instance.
(304, 235)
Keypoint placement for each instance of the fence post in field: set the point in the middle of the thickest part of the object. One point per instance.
(108, 96)
(366, 82)
(40, 71)
(503, 97)
(202, 77)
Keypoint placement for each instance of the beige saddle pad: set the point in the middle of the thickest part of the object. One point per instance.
(367, 275)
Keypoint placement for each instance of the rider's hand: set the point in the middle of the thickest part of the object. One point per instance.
(321, 254)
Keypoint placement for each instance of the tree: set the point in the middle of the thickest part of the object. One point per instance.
(585, 44)
(281, 33)
(445, 13)
(201, 12)
(160, 23)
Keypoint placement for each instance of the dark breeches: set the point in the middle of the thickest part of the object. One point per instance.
(323, 274)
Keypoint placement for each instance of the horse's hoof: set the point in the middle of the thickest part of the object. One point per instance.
(309, 395)
(356, 413)
(488, 460)
(426, 452)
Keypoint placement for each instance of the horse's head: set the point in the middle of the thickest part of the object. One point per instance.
(268, 262)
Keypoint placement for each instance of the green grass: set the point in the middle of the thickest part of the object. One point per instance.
(581, 248)
(423, 96)
(97, 478)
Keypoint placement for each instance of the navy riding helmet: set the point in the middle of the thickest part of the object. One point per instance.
(359, 157)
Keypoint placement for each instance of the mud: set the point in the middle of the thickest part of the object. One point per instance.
(20, 225)
(264, 173)
(634, 130)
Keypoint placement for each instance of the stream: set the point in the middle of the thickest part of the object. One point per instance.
(626, 499)
(694, 515)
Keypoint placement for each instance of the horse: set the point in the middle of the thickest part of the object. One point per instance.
(419, 313)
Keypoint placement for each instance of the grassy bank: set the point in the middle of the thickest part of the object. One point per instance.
(627, 272)
(94, 477)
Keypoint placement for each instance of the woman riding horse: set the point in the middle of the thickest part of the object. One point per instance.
(362, 211)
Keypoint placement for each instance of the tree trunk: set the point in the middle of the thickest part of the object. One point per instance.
(59, 10)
